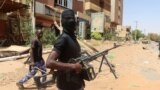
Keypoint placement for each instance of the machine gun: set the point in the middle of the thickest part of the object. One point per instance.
(88, 71)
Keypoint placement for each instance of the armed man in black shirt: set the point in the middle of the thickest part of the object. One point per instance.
(36, 60)
(65, 48)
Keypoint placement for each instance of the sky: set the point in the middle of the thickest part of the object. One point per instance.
(146, 13)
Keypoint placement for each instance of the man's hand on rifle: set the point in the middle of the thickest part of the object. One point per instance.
(77, 67)
(31, 63)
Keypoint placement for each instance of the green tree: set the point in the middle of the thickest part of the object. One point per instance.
(137, 34)
(96, 35)
(48, 37)
(26, 29)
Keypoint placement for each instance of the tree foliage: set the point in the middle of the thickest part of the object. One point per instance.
(96, 35)
(48, 37)
(109, 35)
(137, 34)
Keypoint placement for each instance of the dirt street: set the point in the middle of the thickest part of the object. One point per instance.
(137, 69)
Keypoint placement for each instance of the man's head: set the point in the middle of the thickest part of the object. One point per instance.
(68, 20)
(39, 33)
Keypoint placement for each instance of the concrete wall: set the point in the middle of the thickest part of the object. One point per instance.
(95, 5)
(47, 2)
(117, 11)
(121, 31)
(78, 6)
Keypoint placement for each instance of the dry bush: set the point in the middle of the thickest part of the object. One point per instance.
(153, 36)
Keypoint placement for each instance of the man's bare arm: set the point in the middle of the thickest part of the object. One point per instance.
(52, 63)
(24, 52)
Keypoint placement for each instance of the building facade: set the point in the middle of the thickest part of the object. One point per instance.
(93, 6)
(85, 7)
(116, 13)
(10, 13)
(47, 11)
(43, 13)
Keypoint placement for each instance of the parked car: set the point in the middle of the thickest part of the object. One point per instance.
(145, 41)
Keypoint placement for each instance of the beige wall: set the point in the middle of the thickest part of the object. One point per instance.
(117, 11)
(92, 6)
(121, 31)
(106, 4)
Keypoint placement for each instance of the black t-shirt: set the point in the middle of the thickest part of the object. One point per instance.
(36, 47)
(68, 48)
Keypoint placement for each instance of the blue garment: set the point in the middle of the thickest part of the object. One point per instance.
(40, 65)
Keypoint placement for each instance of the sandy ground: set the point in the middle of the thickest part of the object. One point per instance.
(137, 69)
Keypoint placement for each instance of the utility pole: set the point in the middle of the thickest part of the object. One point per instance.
(144, 31)
(136, 24)
(135, 36)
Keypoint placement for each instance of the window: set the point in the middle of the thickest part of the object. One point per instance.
(64, 3)
(107, 18)
(48, 11)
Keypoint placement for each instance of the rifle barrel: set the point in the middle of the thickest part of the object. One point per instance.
(94, 56)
